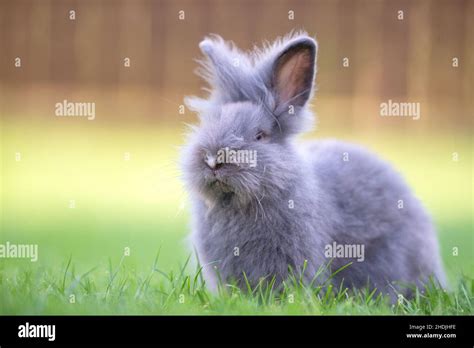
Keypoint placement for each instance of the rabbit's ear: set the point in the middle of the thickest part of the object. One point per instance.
(217, 52)
(227, 70)
(293, 72)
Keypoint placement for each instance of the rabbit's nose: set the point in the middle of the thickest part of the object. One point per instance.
(211, 162)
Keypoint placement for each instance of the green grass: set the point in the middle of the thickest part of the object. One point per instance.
(121, 289)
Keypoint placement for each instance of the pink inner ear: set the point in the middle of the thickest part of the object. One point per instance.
(292, 74)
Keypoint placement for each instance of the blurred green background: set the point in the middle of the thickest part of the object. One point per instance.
(92, 188)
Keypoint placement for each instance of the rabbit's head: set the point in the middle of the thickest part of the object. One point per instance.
(241, 150)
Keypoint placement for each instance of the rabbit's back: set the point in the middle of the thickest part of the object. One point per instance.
(374, 207)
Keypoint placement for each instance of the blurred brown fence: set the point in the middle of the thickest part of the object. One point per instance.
(407, 59)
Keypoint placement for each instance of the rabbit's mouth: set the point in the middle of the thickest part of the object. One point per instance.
(221, 186)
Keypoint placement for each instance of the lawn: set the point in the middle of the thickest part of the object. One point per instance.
(109, 215)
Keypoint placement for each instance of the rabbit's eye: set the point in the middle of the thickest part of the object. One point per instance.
(260, 135)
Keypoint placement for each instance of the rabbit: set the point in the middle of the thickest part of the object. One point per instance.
(283, 214)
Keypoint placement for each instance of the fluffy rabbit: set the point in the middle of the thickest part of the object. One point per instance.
(295, 203)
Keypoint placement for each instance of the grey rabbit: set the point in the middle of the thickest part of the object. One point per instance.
(296, 201)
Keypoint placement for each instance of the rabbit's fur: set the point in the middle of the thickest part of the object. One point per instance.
(250, 223)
